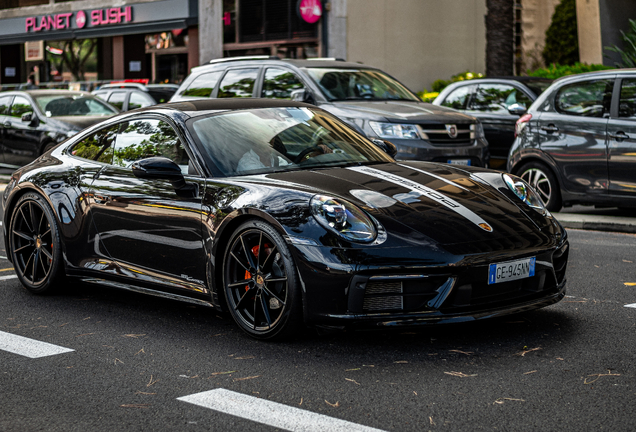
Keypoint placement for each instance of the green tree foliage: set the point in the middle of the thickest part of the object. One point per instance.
(561, 39)
(79, 56)
(628, 53)
(555, 71)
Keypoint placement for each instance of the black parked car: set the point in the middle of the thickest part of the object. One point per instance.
(283, 215)
(128, 96)
(34, 121)
(497, 103)
(366, 98)
(577, 143)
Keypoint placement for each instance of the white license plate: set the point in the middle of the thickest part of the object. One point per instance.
(511, 270)
(459, 162)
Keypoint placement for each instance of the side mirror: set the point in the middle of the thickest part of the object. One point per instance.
(30, 118)
(302, 95)
(162, 168)
(387, 146)
(517, 109)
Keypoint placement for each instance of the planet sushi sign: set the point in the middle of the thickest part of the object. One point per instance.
(309, 10)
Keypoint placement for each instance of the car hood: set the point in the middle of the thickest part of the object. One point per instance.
(442, 203)
(397, 112)
(76, 122)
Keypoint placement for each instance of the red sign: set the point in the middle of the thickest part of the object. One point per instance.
(61, 21)
(310, 10)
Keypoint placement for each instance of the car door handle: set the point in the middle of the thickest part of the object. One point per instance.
(619, 136)
(7, 124)
(550, 128)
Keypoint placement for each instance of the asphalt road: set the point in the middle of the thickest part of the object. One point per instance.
(570, 366)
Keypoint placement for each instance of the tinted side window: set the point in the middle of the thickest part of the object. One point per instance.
(116, 99)
(458, 98)
(279, 83)
(238, 83)
(497, 98)
(627, 104)
(97, 146)
(20, 106)
(203, 85)
(139, 100)
(4, 105)
(140, 139)
(588, 98)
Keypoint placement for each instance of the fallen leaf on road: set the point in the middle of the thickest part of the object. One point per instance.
(528, 373)
(220, 373)
(630, 283)
(526, 351)
(627, 261)
(134, 335)
(598, 376)
(336, 405)
(145, 393)
(461, 352)
(243, 358)
(500, 401)
(151, 382)
(353, 381)
(349, 370)
(135, 405)
(246, 378)
(459, 374)
(401, 361)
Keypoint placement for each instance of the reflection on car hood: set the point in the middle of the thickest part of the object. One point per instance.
(436, 200)
(397, 111)
(78, 122)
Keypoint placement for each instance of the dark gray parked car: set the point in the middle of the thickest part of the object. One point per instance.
(494, 101)
(365, 97)
(577, 142)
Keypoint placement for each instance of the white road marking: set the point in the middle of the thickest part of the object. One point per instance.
(29, 347)
(271, 413)
(633, 305)
(8, 277)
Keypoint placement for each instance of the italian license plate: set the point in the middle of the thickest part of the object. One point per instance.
(511, 270)
(459, 162)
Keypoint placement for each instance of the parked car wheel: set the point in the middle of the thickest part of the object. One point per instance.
(544, 182)
(34, 243)
(261, 284)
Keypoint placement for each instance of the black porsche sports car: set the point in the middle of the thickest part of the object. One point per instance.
(279, 213)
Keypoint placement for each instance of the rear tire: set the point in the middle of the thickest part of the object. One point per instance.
(34, 244)
(543, 180)
(261, 283)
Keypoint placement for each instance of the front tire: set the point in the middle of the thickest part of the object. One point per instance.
(34, 244)
(261, 282)
(543, 180)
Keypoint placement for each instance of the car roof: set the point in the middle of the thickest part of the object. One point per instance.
(625, 71)
(196, 105)
(300, 63)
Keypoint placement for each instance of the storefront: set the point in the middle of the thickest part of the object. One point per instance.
(152, 40)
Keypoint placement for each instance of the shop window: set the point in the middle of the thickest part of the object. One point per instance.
(238, 83)
(263, 20)
(203, 85)
(117, 99)
(10, 4)
(279, 83)
(20, 106)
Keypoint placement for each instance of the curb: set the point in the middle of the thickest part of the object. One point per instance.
(597, 222)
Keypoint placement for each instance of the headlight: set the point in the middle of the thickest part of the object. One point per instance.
(477, 131)
(394, 130)
(526, 193)
(343, 218)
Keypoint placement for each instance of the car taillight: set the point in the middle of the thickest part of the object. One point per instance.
(522, 123)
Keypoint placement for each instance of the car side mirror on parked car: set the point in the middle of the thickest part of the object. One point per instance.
(303, 95)
(162, 168)
(30, 118)
(387, 146)
(517, 109)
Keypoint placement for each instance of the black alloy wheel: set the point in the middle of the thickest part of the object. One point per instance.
(34, 244)
(544, 182)
(261, 282)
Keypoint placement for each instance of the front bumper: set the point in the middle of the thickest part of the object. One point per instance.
(476, 151)
(340, 289)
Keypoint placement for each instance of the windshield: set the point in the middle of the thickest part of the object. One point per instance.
(281, 139)
(359, 84)
(73, 104)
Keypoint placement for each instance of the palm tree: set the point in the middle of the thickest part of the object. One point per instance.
(499, 37)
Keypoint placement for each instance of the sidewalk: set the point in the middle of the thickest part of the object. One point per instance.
(577, 217)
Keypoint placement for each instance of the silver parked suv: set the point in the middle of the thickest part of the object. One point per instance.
(368, 99)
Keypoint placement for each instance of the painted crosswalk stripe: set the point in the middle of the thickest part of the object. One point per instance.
(8, 277)
(633, 305)
(29, 347)
(271, 413)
